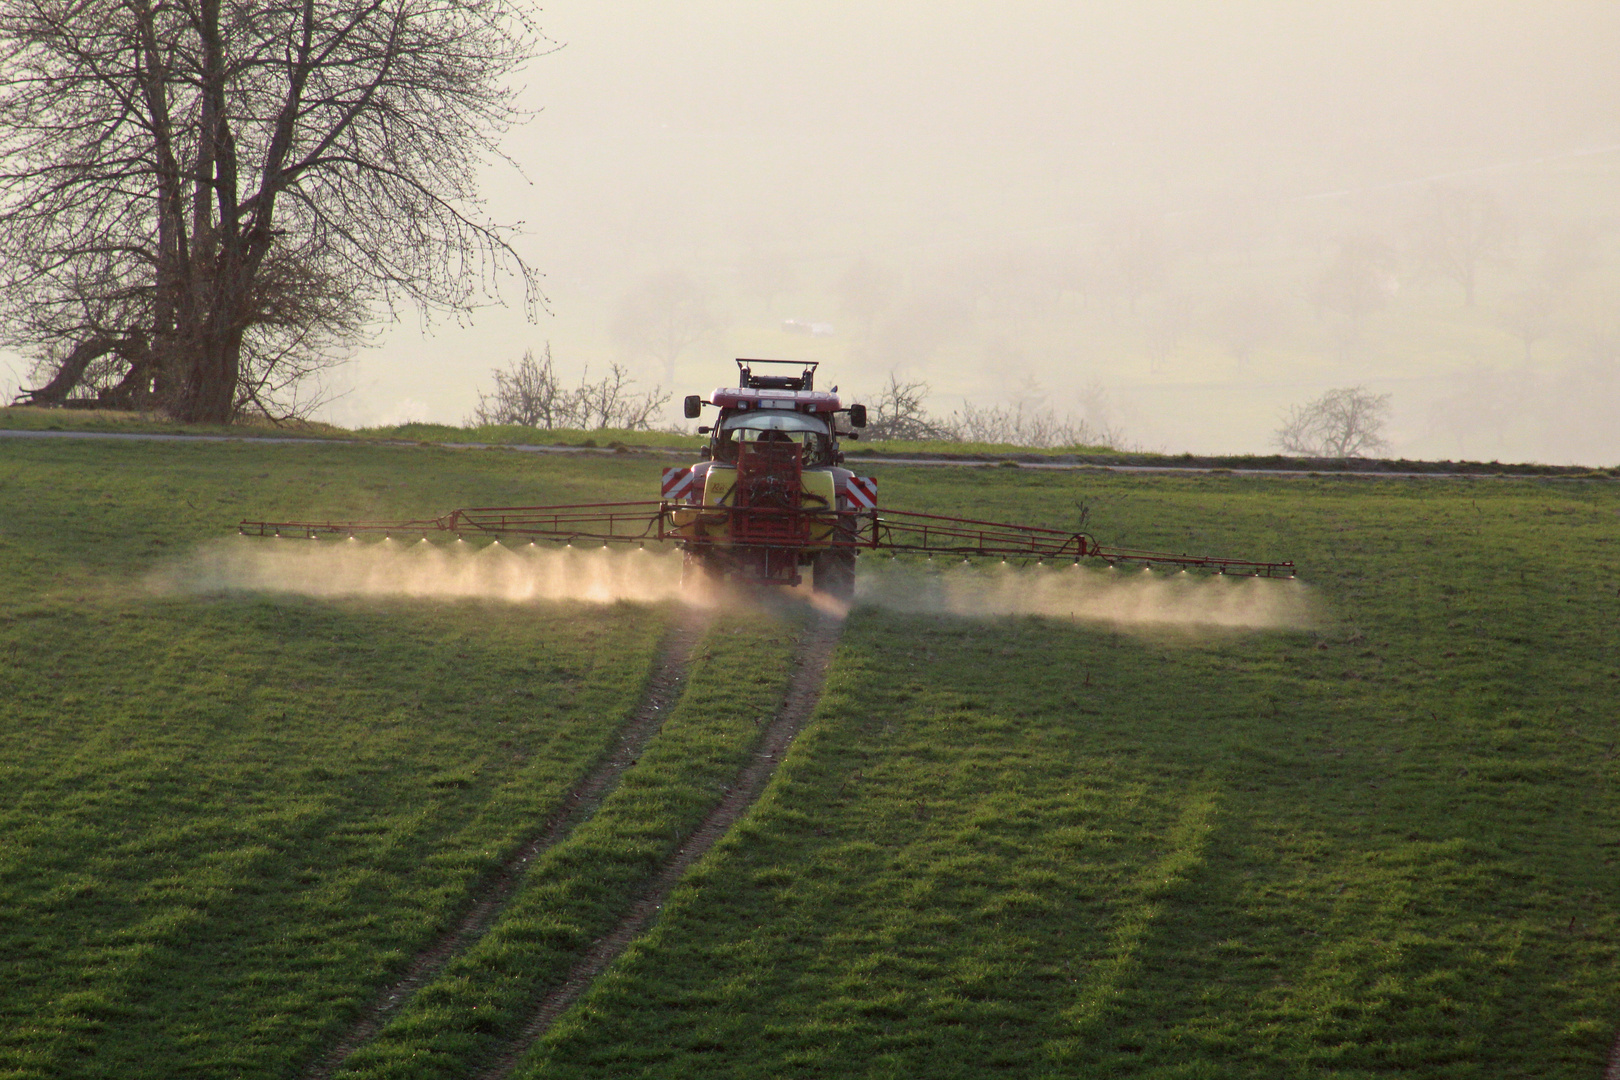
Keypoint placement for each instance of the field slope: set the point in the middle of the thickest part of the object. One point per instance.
(1031, 845)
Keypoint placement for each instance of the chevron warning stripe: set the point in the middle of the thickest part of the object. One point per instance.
(677, 485)
(862, 492)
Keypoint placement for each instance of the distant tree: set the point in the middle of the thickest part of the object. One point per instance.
(1023, 425)
(1011, 283)
(1245, 322)
(900, 411)
(864, 291)
(1601, 342)
(1339, 424)
(1166, 323)
(768, 274)
(1359, 281)
(663, 316)
(529, 394)
(1528, 315)
(1458, 231)
(1570, 254)
(1136, 259)
(199, 200)
(919, 327)
(608, 402)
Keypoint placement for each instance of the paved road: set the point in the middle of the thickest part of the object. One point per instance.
(1066, 466)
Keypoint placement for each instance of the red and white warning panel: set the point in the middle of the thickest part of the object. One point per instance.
(862, 492)
(677, 486)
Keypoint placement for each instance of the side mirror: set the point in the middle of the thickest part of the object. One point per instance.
(694, 406)
(857, 416)
(704, 429)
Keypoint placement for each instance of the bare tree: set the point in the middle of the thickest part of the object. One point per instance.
(1137, 258)
(1359, 281)
(919, 327)
(900, 412)
(1244, 323)
(201, 196)
(1166, 323)
(1528, 315)
(767, 274)
(662, 317)
(609, 403)
(1022, 425)
(1339, 424)
(864, 292)
(1570, 254)
(1601, 341)
(1459, 230)
(529, 394)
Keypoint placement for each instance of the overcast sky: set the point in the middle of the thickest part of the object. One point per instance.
(933, 138)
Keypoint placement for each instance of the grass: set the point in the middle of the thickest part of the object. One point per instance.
(577, 891)
(229, 819)
(1385, 846)
(517, 435)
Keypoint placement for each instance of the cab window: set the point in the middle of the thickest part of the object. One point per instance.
(774, 425)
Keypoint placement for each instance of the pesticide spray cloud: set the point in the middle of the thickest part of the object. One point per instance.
(1126, 598)
(333, 569)
(419, 569)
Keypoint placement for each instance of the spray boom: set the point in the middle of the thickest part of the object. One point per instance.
(770, 497)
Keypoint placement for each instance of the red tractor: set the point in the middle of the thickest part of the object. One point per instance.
(771, 496)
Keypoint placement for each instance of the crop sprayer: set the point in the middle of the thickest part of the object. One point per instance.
(769, 497)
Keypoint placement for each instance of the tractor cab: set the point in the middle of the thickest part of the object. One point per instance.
(772, 485)
(776, 408)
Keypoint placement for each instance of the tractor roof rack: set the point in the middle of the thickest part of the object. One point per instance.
(805, 380)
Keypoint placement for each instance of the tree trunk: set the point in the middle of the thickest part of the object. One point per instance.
(68, 375)
(209, 395)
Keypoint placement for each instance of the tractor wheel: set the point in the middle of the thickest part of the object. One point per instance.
(833, 574)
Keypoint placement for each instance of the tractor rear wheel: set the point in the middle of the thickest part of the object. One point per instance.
(833, 574)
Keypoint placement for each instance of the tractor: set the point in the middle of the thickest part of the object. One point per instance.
(769, 497)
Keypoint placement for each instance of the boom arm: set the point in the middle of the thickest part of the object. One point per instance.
(874, 529)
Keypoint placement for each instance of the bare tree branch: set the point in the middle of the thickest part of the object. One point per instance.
(1339, 424)
(529, 394)
(228, 188)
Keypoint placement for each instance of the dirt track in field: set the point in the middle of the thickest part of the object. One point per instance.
(663, 690)
(812, 659)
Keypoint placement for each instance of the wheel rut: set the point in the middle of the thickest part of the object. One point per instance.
(812, 659)
(582, 800)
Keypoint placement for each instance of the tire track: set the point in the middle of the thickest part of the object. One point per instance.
(804, 690)
(663, 689)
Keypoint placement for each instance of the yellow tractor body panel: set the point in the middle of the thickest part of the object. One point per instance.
(718, 486)
(819, 494)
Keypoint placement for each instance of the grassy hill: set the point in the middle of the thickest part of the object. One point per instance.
(1032, 844)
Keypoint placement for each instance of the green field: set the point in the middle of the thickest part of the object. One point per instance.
(1013, 844)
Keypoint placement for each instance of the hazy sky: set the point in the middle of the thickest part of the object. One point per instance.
(934, 139)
